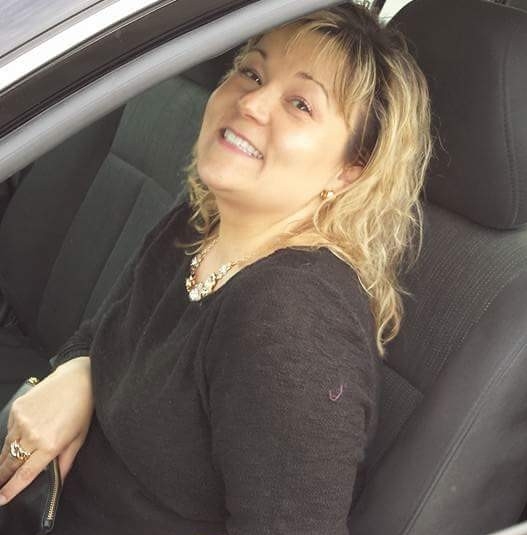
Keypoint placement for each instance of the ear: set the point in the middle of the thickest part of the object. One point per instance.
(346, 177)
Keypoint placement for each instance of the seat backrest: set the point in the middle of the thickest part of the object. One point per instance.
(450, 456)
(83, 208)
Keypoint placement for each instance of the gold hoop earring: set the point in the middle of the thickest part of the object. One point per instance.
(327, 195)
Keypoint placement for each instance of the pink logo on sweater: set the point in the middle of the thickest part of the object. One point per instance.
(333, 396)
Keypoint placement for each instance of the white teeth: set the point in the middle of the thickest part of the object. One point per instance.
(233, 139)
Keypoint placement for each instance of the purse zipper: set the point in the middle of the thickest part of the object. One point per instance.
(54, 494)
(54, 483)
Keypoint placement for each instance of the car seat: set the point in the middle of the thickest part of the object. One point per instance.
(78, 215)
(450, 456)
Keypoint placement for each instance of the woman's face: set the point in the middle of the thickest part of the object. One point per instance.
(271, 138)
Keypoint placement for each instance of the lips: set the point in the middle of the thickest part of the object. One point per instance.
(237, 141)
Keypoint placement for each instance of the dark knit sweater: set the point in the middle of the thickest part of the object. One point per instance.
(247, 413)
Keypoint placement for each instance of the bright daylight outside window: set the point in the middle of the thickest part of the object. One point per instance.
(30, 18)
(391, 7)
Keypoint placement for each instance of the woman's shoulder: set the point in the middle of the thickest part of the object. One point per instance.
(293, 282)
(318, 270)
(306, 303)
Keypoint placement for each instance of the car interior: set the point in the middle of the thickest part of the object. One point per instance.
(450, 455)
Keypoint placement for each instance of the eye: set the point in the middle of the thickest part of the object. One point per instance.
(251, 74)
(303, 105)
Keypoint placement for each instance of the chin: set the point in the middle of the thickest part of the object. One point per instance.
(218, 178)
(213, 179)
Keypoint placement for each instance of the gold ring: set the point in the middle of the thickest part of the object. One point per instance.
(18, 452)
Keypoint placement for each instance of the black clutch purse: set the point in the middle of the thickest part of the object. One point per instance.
(32, 511)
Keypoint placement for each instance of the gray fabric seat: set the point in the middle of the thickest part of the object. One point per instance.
(79, 214)
(450, 455)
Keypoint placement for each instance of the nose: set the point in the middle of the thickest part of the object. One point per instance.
(256, 104)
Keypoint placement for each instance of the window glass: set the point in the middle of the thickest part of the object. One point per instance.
(23, 20)
(391, 7)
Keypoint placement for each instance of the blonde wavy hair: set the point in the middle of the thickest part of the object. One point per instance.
(383, 96)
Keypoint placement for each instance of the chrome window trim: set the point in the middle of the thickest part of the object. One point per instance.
(69, 38)
(518, 529)
(56, 124)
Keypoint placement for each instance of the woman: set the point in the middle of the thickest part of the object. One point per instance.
(237, 393)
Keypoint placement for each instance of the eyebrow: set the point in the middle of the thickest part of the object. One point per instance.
(304, 75)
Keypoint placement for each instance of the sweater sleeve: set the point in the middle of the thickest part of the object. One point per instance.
(79, 344)
(292, 398)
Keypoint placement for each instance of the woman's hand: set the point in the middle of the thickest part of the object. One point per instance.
(50, 420)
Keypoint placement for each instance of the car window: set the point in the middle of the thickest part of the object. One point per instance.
(162, 28)
(30, 18)
(391, 7)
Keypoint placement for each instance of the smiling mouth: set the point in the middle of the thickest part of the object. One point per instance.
(236, 141)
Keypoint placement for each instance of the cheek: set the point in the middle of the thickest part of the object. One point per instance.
(217, 111)
(208, 117)
(299, 142)
(222, 98)
(215, 104)
(303, 150)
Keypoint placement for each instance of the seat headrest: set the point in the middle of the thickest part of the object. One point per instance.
(474, 55)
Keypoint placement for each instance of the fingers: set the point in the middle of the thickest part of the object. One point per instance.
(16, 475)
(22, 474)
(67, 457)
(8, 463)
(4, 453)
(7, 469)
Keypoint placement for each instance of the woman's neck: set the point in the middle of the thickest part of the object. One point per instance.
(240, 239)
(241, 235)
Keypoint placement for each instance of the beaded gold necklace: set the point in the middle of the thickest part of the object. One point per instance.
(198, 290)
